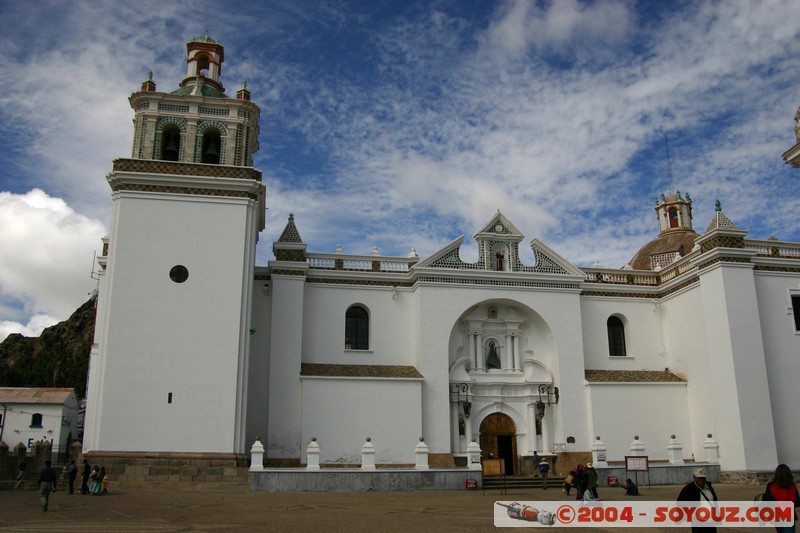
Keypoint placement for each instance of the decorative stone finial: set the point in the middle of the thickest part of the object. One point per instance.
(636, 437)
(717, 206)
(313, 439)
(422, 439)
(291, 217)
(672, 436)
(709, 435)
(369, 439)
(149, 75)
(597, 437)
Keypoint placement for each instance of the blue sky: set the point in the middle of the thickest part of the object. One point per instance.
(402, 124)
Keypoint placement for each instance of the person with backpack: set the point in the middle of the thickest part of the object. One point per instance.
(544, 468)
(782, 488)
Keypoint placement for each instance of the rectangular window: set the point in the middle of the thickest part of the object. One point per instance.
(796, 311)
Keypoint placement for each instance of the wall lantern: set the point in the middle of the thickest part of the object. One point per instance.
(459, 393)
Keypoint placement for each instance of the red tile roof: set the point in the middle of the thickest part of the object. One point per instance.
(359, 371)
(34, 395)
(632, 376)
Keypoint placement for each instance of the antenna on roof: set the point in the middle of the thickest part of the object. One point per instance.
(669, 164)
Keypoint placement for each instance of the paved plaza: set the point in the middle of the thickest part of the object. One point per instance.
(237, 509)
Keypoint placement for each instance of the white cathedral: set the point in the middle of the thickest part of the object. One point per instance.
(198, 351)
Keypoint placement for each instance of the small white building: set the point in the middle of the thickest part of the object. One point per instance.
(198, 350)
(31, 415)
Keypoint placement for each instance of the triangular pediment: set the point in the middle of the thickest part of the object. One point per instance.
(550, 262)
(500, 227)
(447, 257)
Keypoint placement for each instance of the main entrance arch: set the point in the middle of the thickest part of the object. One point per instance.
(498, 437)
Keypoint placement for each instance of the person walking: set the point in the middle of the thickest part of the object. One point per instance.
(72, 475)
(568, 481)
(699, 490)
(87, 471)
(48, 480)
(20, 475)
(781, 488)
(544, 468)
(579, 482)
(592, 480)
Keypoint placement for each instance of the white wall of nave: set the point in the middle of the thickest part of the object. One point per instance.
(653, 411)
(782, 353)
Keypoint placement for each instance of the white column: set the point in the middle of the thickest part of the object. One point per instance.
(473, 354)
(517, 362)
(509, 353)
(546, 432)
(479, 351)
(455, 440)
(468, 429)
(531, 418)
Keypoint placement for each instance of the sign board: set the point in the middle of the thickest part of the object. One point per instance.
(493, 467)
(559, 446)
(472, 484)
(636, 463)
(613, 481)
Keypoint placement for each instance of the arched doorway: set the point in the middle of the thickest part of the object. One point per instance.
(498, 437)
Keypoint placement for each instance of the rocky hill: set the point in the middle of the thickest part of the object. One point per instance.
(57, 358)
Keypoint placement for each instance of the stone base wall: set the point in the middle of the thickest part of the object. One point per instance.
(748, 477)
(659, 474)
(181, 471)
(352, 480)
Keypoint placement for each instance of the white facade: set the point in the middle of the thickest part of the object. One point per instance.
(31, 415)
(341, 348)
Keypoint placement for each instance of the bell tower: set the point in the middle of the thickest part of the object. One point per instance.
(196, 123)
(674, 213)
(168, 366)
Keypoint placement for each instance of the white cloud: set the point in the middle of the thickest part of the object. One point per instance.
(47, 258)
(36, 324)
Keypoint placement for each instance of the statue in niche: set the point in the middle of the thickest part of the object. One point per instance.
(492, 312)
(492, 361)
(500, 261)
(462, 427)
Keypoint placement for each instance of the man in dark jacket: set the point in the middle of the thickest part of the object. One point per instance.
(699, 490)
(47, 483)
(72, 475)
(87, 471)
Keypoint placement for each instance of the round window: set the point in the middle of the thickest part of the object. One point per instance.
(179, 274)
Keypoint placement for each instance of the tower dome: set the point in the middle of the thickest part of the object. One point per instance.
(676, 237)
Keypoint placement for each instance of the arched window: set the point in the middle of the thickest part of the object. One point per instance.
(673, 217)
(36, 420)
(211, 146)
(171, 143)
(616, 337)
(356, 329)
(202, 65)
